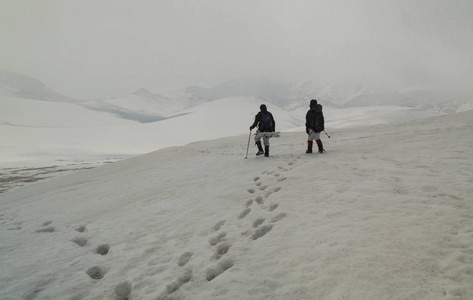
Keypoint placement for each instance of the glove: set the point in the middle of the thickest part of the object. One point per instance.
(307, 130)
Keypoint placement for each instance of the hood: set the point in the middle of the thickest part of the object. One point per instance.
(313, 103)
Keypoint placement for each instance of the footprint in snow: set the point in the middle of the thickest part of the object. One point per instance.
(263, 187)
(49, 229)
(219, 225)
(96, 273)
(46, 227)
(102, 249)
(80, 241)
(184, 259)
(261, 231)
(123, 290)
(259, 200)
(221, 250)
(217, 270)
(177, 284)
(244, 213)
(217, 239)
(277, 189)
(272, 207)
(258, 222)
(80, 228)
(279, 217)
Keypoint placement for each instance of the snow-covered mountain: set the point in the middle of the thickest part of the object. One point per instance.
(332, 94)
(141, 106)
(273, 91)
(22, 86)
(431, 99)
(145, 106)
(386, 213)
(144, 102)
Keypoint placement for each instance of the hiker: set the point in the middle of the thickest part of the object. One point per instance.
(314, 125)
(265, 122)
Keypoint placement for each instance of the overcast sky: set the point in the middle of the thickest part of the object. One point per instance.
(98, 48)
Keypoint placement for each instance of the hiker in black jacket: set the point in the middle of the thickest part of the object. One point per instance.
(265, 122)
(314, 125)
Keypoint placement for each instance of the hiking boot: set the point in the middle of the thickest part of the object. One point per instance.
(321, 149)
(309, 147)
(260, 149)
(266, 151)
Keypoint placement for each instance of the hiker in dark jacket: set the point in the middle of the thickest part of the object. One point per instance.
(265, 122)
(314, 124)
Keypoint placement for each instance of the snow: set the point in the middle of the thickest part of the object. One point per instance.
(58, 138)
(386, 213)
(36, 113)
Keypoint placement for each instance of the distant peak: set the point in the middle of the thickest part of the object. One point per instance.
(23, 86)
(145, 93)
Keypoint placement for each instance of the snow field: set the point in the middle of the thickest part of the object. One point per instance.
(386, 213)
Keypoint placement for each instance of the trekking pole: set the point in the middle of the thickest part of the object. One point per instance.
(247, 147)
(327, 134)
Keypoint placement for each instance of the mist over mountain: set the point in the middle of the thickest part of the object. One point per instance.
(147, 106)
(276, 92)
(146, 94)
(430, 99)
(22, 86)
(332, 95)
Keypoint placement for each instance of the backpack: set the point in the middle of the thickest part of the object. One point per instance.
(266, 123)
(318, 125)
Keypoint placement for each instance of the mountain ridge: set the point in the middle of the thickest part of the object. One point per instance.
(145, 106)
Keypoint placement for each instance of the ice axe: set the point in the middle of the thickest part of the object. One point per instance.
(247, 147)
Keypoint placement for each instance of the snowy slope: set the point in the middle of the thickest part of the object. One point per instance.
(52, 139)
(36, 113)
(385, 214)
(146, 105)
(71, 130)
(33, 129)
(361, 116)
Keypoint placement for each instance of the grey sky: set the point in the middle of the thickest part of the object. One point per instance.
(98, 48)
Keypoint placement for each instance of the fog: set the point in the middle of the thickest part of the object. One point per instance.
(91, 49)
